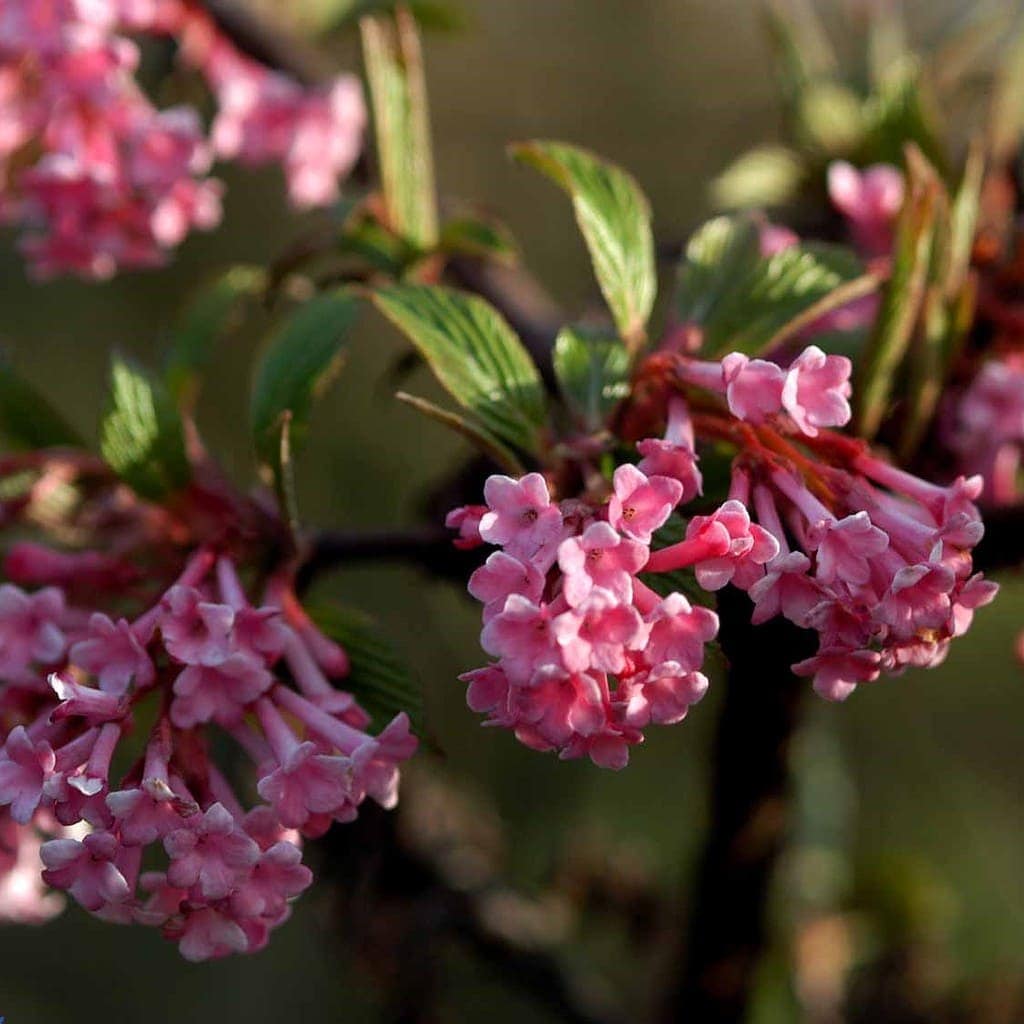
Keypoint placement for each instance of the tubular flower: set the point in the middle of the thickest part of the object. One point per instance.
(98, 178)
(90, 798)
(815, 529)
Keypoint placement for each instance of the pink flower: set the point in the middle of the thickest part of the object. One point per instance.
(24, 770)
(29, 630)
(86, 869)
(500, 576)
(641, 505)
(845, 548)
(753, 387)
(487, 691)
(466, 520)
(679, 632)
(667, 459)
(732, 545)
(218, 693)
(838, 671)
(786, 589)
(919, 598)
(305, 781)
(663, 695)
(112, 652)
(277, 877)
(79, 701)
(870, 201)
(817, 389)
(212, 852)
(208, 933)
(597, 633)
(196, 632)
(600, 558)
(523, 636)
(521, 518)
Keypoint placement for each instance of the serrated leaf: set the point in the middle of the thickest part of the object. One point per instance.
(141, 435)
(615, 218)
(302, 357)
(475, 355)
(481, 236)
(210, 314)
(398, 96)
(761, 177)
(902, 302)
(740, 300)
(476, 434)
(592, 373)
(379, 679)
(27, 419)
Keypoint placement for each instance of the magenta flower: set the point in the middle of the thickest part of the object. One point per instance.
(277, 877)
(196, 631)
(845, 548)
(29, 630)
(86, 869)
(25, 768)
(639, 504)
(817, 390)
(919, 599)
(869, 200)
(218, 693)
(600, 558)
(212, 853)
(114, 655)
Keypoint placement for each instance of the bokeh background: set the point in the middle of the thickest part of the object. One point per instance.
(909, 844)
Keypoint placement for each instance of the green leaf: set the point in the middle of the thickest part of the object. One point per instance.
(432, 15)
(398, 95)
(27, 419)
(593, 374)
(1006, 111)
(830, 118)
(475, 355)
(964, 220)
(380, 680)
(898, 114)
(303, 356)
(474, 234)
(765, 176)
(901, 306)
(742, 301)
(213, 311)
(476, 434)
(615, 218)
(141, 435)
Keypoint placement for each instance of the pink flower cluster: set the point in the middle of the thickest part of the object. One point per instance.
(870, 201)
(201, 657)
(99, 179)
(985, 427)
(588, 655)
(876, 561)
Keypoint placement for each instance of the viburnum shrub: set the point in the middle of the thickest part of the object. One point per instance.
(810, 418)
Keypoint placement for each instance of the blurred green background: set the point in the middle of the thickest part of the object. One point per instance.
(912, 820)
